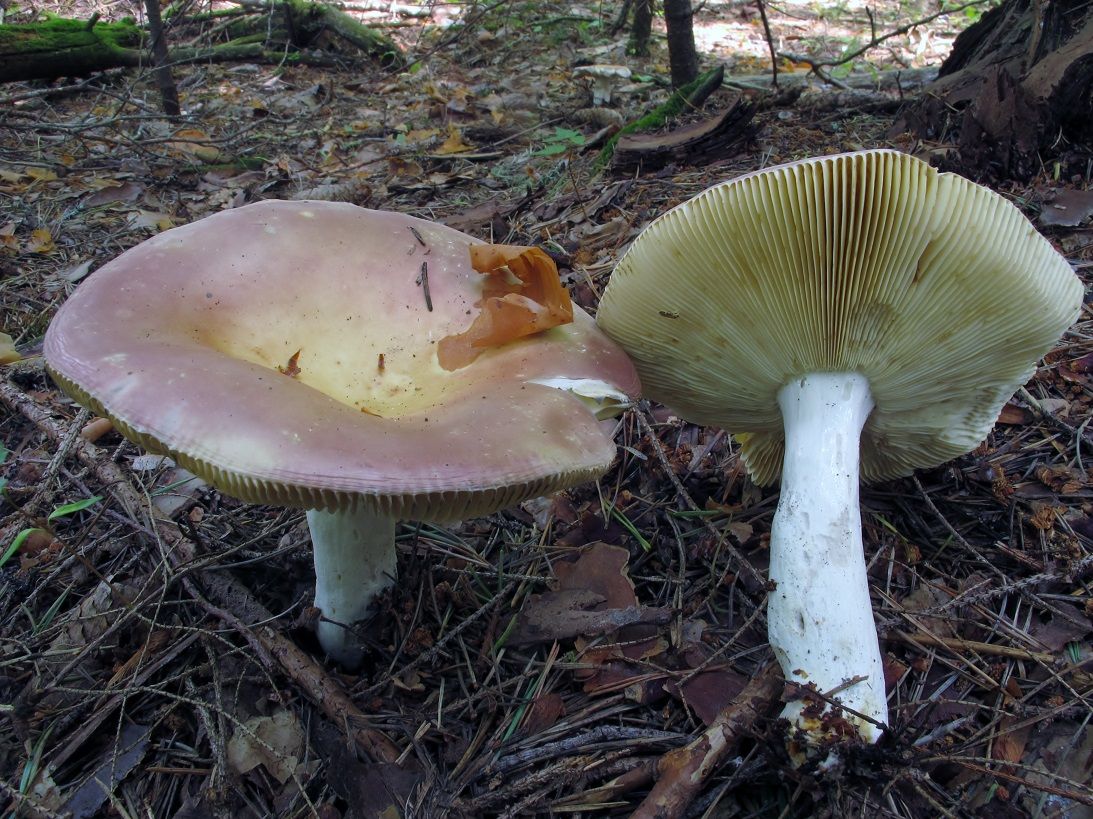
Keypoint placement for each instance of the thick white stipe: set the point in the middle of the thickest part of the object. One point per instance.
(820, 617)
(354, 563)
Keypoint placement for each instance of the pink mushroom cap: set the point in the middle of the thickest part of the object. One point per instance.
(284, 351)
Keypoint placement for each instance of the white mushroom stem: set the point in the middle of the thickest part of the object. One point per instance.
(354, 562)
(819, 614)
(601, 90)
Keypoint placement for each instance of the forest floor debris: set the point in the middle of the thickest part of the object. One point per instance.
(557, 657)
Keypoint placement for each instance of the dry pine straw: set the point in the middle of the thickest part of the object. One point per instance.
(189, 629)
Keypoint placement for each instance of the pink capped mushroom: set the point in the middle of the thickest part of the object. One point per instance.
(287, 352)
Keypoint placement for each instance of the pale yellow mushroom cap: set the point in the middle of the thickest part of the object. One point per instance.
(937, 290)
(286, 352)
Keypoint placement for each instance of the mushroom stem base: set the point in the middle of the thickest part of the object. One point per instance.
(819, 614)
(354, 563)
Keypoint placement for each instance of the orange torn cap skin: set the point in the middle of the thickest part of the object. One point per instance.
(509, 310)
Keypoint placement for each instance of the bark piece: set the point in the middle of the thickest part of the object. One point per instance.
(689, 98)
(699, 143)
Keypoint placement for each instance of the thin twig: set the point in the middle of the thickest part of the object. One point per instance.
(428, 656)
(876, 41)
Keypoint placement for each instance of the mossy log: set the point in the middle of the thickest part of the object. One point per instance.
(57, 47)
(688, 98)
(61, 47)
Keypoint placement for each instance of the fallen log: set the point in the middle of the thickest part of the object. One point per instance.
(60, 47)
(57, 47)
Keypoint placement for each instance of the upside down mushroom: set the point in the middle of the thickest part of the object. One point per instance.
(849, 315)
(350, 362)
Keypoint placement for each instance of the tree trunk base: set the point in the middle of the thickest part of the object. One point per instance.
(1015, 94)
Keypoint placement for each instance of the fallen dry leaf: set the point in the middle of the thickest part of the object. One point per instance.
(1068, 209)
(554, 616)
(925, 597)
(1066, 624)
(371, 790)
(276, 743)
(1014, 415)
(1083, 364)
(419, 135)
(120, 757)
(8, 353)
(74, 273)
(544, 711)
(509, 310)
(41, 241)
(1013, 732)
(128, 191)
(601, 568)
(150, 220)
(41, 174)
(454, 144)
(710, 692)
(594, 596)
(1063, 480)
(7, 236)
(193, 142)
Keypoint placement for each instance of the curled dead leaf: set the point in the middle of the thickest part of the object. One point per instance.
(569, 613)
(149, 219)
(41, 241)
(1014, 415)
(535, 302)
(275, 742)
(454, 144)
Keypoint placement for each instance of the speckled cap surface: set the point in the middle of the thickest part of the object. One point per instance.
(937, 290)
(284, 351)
